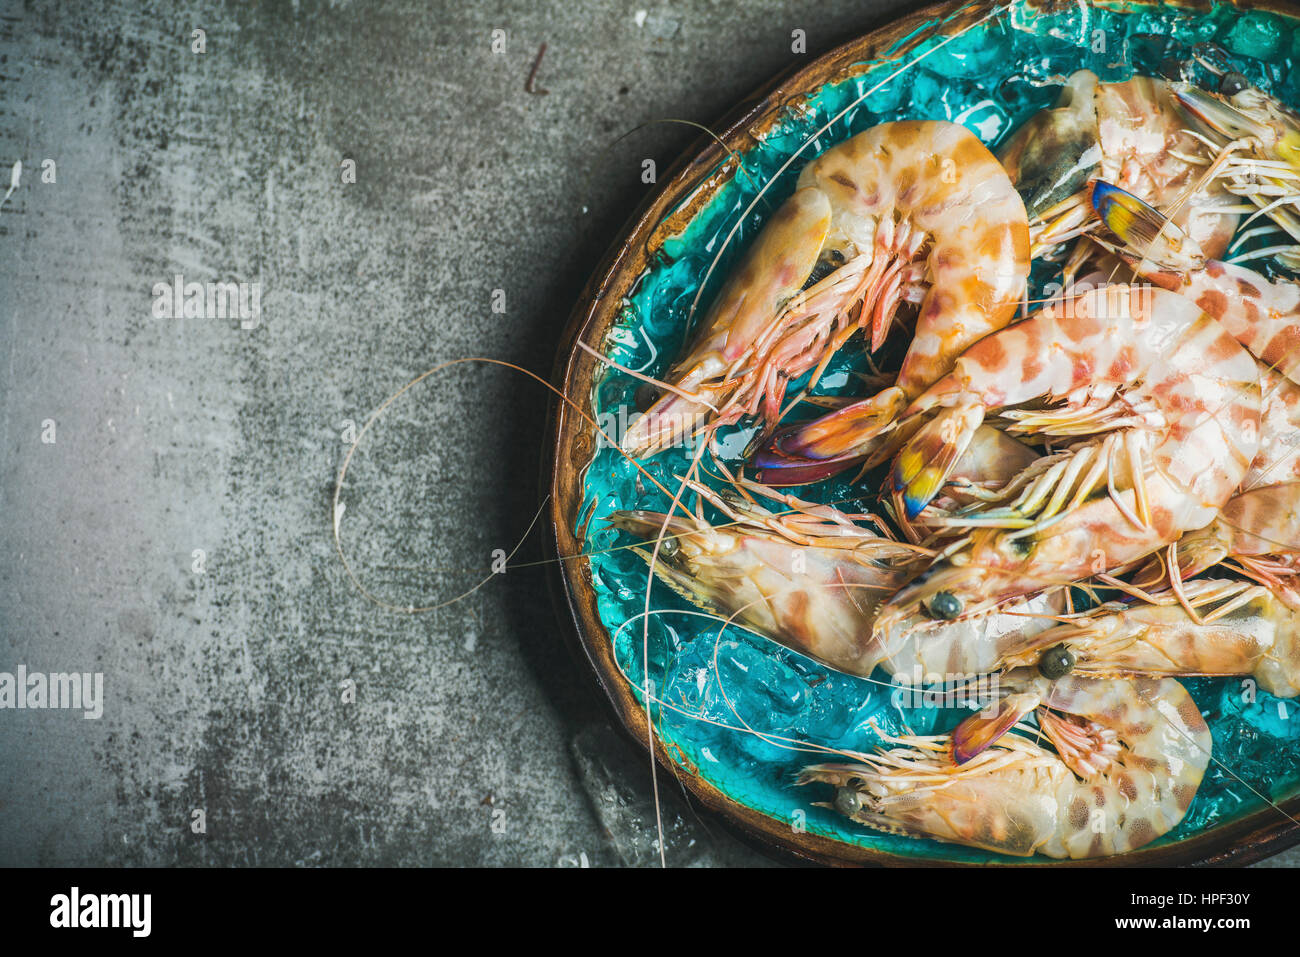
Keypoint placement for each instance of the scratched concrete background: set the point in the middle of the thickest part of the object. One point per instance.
(176, 534)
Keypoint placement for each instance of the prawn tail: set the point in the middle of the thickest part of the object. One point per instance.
(926, 462)
(978, 732)
(1153, 245)
(816, 450)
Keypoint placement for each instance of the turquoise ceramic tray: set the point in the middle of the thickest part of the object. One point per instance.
(636, 311)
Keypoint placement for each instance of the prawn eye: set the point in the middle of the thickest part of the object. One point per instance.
(1232, 84)
(945, 605)
(1171, 68)
(1056, 662)
(645, 396)
(848, 801)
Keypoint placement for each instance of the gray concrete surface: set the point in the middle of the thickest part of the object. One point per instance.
(226, 677)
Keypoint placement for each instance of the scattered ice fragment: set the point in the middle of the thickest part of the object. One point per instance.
(617, 781)
(1255, 34)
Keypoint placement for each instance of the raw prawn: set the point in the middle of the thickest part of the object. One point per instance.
(906, 211)
(812, 577)
(1217, 627)
(1129, 757)
(1258, 531)
(1263, 316)
(1278, 459)
(1256, 143)
(1132, 134)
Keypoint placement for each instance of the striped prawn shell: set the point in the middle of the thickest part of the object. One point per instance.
(1132, 134)
(1196, 387)
(1261, 523)
(874, 203)
(818, 599)
(1144, 145)
(1278, 458)
(1263, 316)
(1146, 793)
(1184, 397)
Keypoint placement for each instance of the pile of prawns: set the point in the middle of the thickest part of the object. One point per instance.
(1139, 431)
